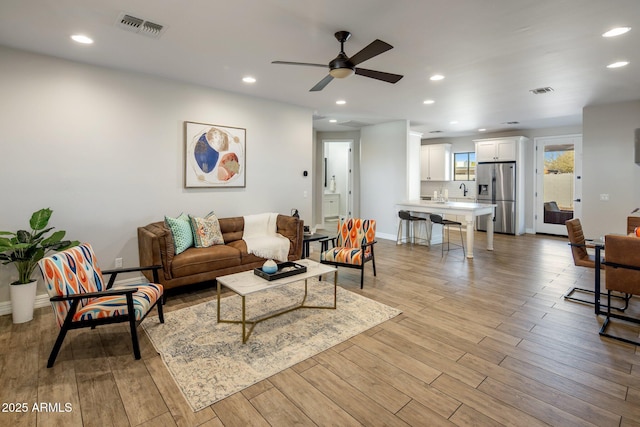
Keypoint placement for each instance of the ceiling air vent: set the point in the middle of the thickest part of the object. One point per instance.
(140, 26)
(541, 90)
(435, 131)
(354, 124)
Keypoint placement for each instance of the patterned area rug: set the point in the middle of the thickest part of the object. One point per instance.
(208, 360)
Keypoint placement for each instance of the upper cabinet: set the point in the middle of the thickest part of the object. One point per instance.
(498, 149)
(435, 162)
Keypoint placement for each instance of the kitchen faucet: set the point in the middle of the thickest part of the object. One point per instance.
(464, 189)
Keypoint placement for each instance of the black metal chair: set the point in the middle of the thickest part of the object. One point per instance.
(410, 221)
(446, 223)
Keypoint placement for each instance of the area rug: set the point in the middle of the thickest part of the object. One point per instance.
(208, 360)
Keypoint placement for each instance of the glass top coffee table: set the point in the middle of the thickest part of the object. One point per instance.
(247, 283)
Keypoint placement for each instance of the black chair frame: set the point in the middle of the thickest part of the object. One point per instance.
(75, 299)
(569, 295)
(325, 244)
(610, 315)
(411, 222)
(446, 224)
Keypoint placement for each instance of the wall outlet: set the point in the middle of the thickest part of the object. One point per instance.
(604, 197)
(118, 262)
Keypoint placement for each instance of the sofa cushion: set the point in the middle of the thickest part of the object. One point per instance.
(206, 231)
(232, 228)
(202, 260)
(181, 231)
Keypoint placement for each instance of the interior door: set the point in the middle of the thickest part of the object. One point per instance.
(338, 175)
(559, 180)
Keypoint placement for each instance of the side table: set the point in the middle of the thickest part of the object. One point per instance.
(308, 238)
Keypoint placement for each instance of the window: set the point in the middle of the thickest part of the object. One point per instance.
(464, 166)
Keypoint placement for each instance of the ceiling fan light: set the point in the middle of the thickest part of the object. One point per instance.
(341, 73)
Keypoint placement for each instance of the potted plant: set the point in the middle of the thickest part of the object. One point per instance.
(24, 249)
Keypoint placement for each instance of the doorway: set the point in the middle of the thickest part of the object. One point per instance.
(558, 182)
(337, 178)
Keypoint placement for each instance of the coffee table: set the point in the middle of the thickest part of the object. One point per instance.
(247, 283)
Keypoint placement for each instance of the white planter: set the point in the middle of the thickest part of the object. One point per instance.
(23, 299)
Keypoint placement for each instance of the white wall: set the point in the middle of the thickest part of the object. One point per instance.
(383, 177)
(609, 167)
(104, 149)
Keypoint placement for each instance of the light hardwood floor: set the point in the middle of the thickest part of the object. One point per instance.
(488, 341)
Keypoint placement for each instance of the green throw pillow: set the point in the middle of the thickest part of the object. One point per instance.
(206, 231)
(181, 230)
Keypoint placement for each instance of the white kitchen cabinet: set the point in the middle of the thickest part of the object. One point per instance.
(435, 162)
(331, 205)
(497, 150)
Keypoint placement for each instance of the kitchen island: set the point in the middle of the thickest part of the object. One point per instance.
(469, 210)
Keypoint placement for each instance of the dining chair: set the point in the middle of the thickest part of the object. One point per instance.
(582, 258)
(622, 274)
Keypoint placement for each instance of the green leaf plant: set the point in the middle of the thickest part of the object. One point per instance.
(25, 248)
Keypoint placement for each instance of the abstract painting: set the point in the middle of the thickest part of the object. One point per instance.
(214, 155)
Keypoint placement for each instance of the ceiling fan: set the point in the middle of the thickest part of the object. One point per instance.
(342, 66)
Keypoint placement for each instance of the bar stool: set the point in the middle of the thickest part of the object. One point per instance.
(411, 231)
(446, 223)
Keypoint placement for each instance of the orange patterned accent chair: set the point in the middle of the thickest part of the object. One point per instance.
(80, 297)
(353, 247)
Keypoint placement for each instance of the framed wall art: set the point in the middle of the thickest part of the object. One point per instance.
(214, 155)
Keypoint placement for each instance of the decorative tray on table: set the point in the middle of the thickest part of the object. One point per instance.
(285, 269)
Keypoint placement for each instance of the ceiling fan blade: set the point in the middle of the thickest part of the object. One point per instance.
(308, 64)
(379, 75)
(322, 83)
(375, 48)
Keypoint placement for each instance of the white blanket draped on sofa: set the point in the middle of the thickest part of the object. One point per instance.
(261, 238)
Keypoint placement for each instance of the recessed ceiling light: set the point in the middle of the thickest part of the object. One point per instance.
(436, 77)
(341, 102)
(482, 130)
(249, 79)
(332, 121)
(616, 31)
(453, 122)
(618, 64)
(79, 38)
(429, 101)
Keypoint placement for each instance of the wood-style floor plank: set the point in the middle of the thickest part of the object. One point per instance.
(482, 342)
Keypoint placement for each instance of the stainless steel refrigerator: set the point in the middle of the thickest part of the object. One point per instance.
(497, 184)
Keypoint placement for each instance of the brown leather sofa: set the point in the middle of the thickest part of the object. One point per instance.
(196, 265)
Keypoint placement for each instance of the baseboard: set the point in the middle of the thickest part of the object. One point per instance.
(386, 236)
(42, 300)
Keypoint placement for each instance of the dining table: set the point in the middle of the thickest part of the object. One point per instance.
(470, 210)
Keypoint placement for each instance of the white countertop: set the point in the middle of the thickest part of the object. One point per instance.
(446, 205)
